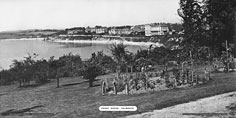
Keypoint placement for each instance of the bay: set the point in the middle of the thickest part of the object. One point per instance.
(18, 49)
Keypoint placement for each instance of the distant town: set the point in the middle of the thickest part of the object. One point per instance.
(153, 32)
(137, 30)
(140, 32)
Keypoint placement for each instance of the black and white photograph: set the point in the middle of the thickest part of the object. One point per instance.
(117, 58)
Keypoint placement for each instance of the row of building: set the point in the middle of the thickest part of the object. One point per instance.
(147, 30)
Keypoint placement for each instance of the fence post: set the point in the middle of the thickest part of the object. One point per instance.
(103, 88)
(114, 87)
(146, 80)
(197, 79)
(175, 85)
(206, 74)
(182, 74)
(192, 78)
(209, 75)
(127, 88)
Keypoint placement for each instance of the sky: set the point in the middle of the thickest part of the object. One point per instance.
(60, 14)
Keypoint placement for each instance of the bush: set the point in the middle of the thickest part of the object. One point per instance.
(90, 72)
(120, 87)
(5, 77)
(231, 65)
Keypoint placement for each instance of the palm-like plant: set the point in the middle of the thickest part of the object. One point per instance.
(119, 54)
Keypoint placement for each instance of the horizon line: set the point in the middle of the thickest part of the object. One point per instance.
(27, 29)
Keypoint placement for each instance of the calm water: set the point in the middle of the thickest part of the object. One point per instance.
(17, 49)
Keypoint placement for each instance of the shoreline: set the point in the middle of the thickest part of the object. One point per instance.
(23, 39)
(130, 43)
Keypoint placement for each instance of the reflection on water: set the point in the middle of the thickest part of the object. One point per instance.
(17, 49)
(75, 45)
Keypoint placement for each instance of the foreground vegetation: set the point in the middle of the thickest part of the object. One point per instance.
(36, 72)
(74, 99)
(208, 36)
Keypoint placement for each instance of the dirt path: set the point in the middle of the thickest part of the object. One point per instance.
(219, 106)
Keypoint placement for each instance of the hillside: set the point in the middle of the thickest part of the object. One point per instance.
(27, 34)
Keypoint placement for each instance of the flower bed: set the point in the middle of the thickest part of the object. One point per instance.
(142, 82)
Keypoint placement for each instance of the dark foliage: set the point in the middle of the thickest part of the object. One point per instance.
(208, 23)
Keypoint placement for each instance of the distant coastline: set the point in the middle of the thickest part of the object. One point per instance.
(23, 39)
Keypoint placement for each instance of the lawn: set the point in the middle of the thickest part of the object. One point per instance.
(75, 100)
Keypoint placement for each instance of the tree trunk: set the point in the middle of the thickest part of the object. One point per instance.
(192, 77)
(58, 82)
(20, 82)
(234, 55)
(209, 75)
(23, 82)
(90, 82)
(182, 73)
(115, 88)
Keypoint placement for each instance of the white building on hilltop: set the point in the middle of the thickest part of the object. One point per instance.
(152, 30)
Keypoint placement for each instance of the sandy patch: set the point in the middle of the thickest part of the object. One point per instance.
(110, 42)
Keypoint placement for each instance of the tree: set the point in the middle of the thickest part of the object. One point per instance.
(98, 64)
(42, 71)
(57, 69)
(23, 69)
(208, 23)
(91, 71)
(104, 61)
(221, 21)
(66, 66)
(29, 61)
(71, 64)
(6, 77)
(18, 70)
(194, 20)
(130, 61)
(119, 54)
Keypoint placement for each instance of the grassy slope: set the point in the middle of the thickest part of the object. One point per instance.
(77, 100)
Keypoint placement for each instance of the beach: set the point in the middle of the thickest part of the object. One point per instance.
(109, 42)
(97, 41)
